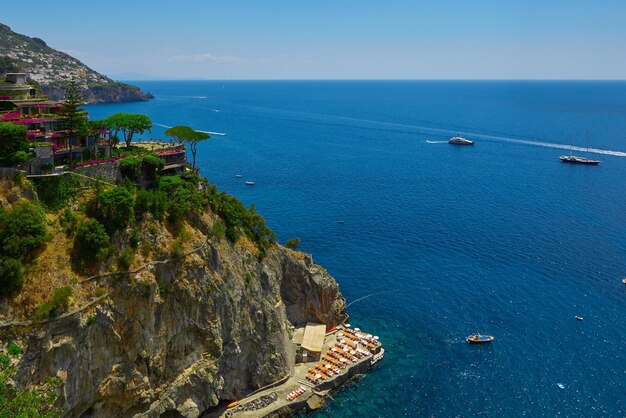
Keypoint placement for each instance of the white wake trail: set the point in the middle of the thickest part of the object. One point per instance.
(206, 132)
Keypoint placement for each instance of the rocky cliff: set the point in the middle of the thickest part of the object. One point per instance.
(176, 336)
(51, 70)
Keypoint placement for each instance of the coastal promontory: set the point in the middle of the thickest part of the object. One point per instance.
(52, 70)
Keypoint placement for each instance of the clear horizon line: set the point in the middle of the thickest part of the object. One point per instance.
(155, 78)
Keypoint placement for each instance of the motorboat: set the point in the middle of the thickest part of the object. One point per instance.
(578, 318)
(479, 339)
(238, 176)
(250, 183)
(459, 140)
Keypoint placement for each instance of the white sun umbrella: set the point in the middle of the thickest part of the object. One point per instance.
(340, 334)
(344, 360)
(333, 349)
(376, 337)
(317, 376)
(342, 341)
(357, 329)
(346, 325)
(369, 335)
(352, 352)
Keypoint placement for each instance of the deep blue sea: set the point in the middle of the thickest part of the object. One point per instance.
(500, 238)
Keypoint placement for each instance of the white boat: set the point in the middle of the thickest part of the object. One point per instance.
(238, 176)
(574, 159)
(250, 183)
(459, 140)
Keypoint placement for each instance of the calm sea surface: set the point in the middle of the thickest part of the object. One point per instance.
(500, 238)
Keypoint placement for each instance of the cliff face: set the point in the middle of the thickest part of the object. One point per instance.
(179, 337)
(52, 70)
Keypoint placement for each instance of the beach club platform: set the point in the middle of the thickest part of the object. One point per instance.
(331, 360)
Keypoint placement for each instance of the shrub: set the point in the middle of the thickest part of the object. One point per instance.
(148, 165)
(184, 198)
(14, 349)
(178, 251)
(26, 402)
(164, 288)
(247, 278)
(125, 259)
(240, 220)
(135, 237)
(293, 243)
(151, 164)
(54, 192)
(145, 248)
(114, 208)
(130, 167)
(11, 275)
(68, 221)
(22, 230)
(90, 320)
(218, 229)
(91, 242)
(56, 305)
(153, 201)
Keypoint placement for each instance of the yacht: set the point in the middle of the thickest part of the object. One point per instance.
(578, 160)
(250, 183)
(574, 159)
(459, 140)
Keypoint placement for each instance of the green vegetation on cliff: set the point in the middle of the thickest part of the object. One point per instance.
(36, 402)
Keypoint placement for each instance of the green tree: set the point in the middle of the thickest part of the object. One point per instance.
(129, 124)
(27, 402)
(12, 141)
(180, 133)
(293, 243)
(114, 208)
(11, 275)
(72, 117)
(91, 242)
(22, 230)
(190, 136)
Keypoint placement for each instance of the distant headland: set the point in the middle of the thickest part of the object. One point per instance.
(51, 71)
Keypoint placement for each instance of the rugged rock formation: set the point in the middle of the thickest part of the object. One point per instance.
(178, 338)
(51, 70)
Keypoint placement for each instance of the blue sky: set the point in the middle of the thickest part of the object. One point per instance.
(334, 39)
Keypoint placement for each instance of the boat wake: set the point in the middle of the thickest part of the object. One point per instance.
(554, 145)
(213, 133)
(436, 142)
(400, 127)
(370, 295)
(206, 132)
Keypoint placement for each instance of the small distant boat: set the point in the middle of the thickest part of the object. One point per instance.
(238, 176)
(340, 222)
(561, 386)
(459, 140)
(624, 280)
(250, 183)
(574, 159)
(232, 404)
(479, 339)
(579, 318)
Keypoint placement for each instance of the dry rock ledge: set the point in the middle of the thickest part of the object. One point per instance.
(182, 338)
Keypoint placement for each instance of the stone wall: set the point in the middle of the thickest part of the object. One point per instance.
(110, 170)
